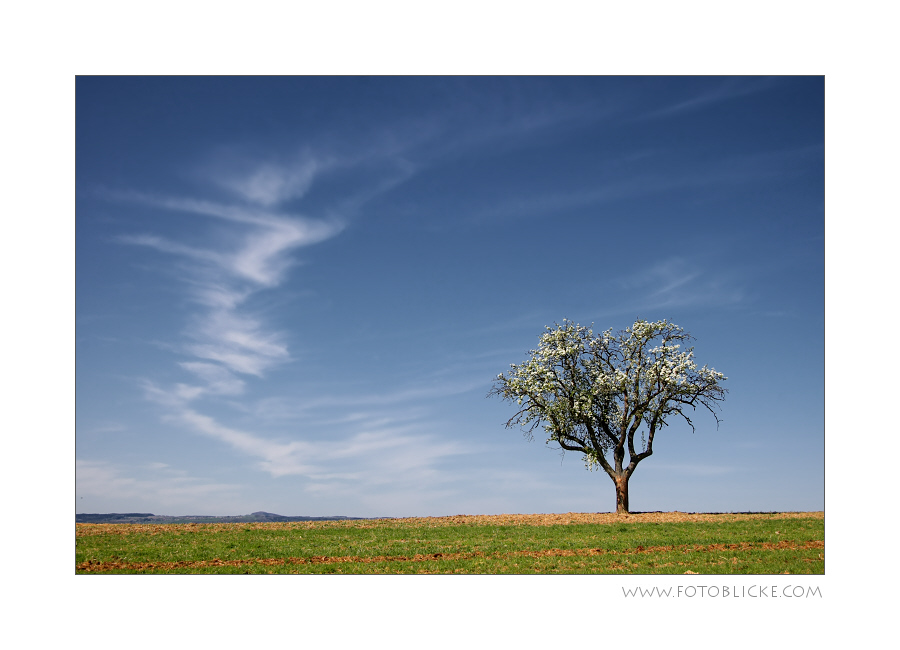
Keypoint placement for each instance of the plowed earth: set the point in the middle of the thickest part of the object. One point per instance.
(694, 554)
(97, 566)
(83, 530)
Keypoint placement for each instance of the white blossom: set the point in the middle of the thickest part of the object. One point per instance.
(588, 392)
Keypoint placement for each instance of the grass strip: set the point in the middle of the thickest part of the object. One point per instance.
(98, 566)
(764, 544)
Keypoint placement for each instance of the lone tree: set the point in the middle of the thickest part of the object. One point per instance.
(596, 394)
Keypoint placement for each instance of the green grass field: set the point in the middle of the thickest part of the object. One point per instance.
(651, 543)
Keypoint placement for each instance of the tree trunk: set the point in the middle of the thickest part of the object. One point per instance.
(621, 494)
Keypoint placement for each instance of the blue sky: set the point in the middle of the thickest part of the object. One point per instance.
(292, 293)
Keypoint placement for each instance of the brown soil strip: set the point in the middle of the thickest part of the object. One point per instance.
(94, 566)
(83, 530)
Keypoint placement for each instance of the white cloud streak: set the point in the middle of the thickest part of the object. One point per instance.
(374, 452)
(223, 279)
(166, 246)
(696, 469)
(217, 380)
(728, 89)
(239, 342)
(349, 408)
(730, 171)
(154, 484)
(260, 255)
(227, 342)
(272, 184)
(677, 282)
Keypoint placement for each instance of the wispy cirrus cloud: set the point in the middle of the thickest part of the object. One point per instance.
(370, 450)
(696, 469)
(727, 89)
(678, 282)
(175, 248)
(239, 342)
(227, 340)
(254, 256)
(271, 184)
(284, 408)
(152, 484)
(260, 252)
(653, 178)
(227, 343)
(216, 379)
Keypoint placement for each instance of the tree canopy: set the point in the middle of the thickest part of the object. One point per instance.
(608, 394)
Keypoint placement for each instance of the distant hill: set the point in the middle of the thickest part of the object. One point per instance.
(150, 518)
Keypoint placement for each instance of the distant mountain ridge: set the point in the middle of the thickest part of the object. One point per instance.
(150, 518)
